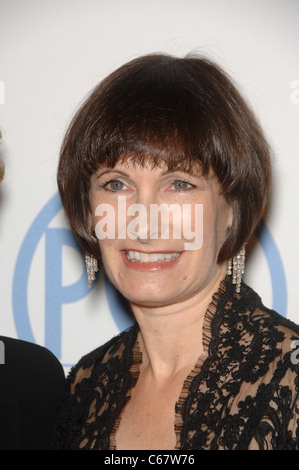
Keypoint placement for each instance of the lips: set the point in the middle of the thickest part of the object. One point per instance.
(141, 257)
(153, 261)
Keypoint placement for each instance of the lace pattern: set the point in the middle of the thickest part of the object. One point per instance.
(242, 393)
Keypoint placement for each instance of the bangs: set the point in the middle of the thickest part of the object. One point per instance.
(167, 151)
(155, 116)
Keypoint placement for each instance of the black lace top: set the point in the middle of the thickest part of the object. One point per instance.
(242, 393)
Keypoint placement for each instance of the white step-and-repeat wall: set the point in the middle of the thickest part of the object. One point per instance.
(51, 54)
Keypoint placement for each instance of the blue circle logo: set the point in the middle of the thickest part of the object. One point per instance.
(55, 293)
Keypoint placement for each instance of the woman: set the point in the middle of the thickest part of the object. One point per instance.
(206, 365)
(31, 384)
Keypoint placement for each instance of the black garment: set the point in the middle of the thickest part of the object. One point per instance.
(31, 383)
(241, 394)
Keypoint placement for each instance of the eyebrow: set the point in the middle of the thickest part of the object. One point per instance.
(111, 170)
(181, 171)
(169, 172)
(165, 173)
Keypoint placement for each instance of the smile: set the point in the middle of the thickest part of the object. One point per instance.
(140, 257)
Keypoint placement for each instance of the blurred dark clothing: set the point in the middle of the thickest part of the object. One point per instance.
(31, 382)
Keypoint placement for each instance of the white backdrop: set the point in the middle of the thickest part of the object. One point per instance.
(51, 54)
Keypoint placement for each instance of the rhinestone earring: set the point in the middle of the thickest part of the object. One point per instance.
(91, 268)
(236, 268)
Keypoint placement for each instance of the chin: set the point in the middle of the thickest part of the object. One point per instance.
(142, 302)
(148, 297)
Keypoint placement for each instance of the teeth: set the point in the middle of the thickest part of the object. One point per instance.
(134, 256)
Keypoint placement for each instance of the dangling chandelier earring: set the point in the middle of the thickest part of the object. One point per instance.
(90, 261)
(91, 268)
(236, 268)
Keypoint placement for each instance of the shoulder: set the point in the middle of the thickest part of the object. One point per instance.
(32, 381)
(262, 339)
(270, 322)
(264, 317)
(90, 362)
(99, 377)
(275, 338)
(25, 359)
(282, 334)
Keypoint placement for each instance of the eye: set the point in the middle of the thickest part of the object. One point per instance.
(181, 185)
(114, 185)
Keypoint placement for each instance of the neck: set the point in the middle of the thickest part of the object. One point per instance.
(171, 336)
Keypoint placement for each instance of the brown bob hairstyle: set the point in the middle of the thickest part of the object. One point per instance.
(183, 112)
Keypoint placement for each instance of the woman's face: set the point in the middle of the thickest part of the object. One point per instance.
(157, 259)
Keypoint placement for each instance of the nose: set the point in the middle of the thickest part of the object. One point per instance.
(141, 223)
(140, 226)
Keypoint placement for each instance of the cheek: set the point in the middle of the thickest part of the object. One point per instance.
(216, 221)
(111, 262)
(107, 253)
(223, 222)
(210, 223)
